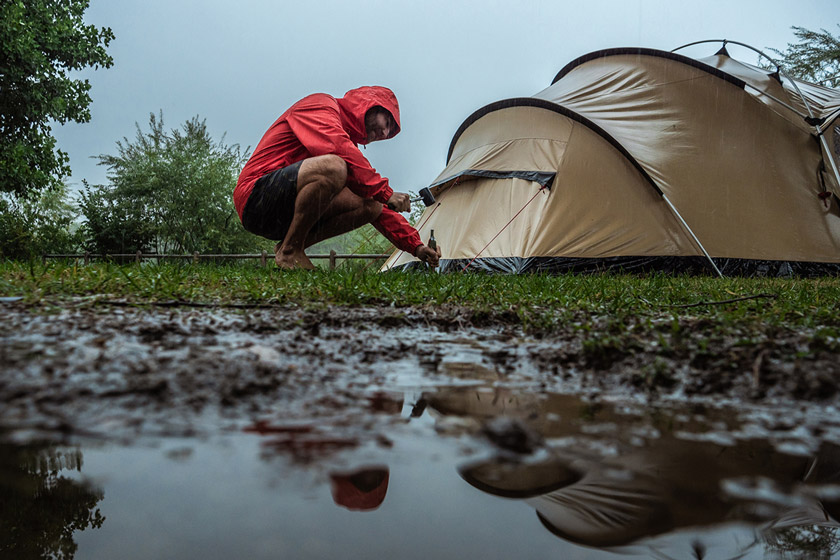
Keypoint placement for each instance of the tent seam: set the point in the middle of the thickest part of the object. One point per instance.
(648, 52)
(513, 139)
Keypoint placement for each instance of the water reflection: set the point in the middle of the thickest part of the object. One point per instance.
(40, 509)
(608, 479)
(313, 441)
(303, 443)
(557, 476)
(362, 489)
(359, 489)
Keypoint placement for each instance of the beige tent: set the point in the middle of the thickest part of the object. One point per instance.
(642, 159)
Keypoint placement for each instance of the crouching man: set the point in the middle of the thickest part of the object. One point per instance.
(307, 180)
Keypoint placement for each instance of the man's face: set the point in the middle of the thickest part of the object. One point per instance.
(378, 125)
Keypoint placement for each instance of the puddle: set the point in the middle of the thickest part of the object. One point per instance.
(436, 473)
(183, 434)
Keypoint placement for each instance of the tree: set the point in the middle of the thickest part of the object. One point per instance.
(816, 57)
(169, 192)
(41, 41)
(30, 227)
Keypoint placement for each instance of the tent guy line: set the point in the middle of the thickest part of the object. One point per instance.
(504, 227)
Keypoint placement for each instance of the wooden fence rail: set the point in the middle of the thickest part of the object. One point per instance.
(195, 257)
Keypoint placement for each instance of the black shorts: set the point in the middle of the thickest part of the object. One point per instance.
(271, 205)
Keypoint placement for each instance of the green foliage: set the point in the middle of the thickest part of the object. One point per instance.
(41, 42)
(41, 510)
(803, 541)
(815, 58)
(113, 223)
(30, 227)
(417, 211)
(169, 192)
(364, 240)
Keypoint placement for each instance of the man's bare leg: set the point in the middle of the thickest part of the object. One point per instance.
(347, 212)
(320, 180)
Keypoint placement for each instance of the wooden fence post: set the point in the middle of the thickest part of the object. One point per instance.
(138, 256)
(195, 257)
(87, 258)
(332, 259)
(262, 259)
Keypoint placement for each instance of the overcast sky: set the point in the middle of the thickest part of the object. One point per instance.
(239, 65)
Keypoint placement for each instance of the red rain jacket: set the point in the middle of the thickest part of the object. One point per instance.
(320, 124)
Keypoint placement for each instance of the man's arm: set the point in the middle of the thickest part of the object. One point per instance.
(398, 231)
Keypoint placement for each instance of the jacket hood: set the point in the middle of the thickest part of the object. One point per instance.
(357, 102)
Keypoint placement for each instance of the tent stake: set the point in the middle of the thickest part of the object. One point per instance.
(691, 233)
(418, 229)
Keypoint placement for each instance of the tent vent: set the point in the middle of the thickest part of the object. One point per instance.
(543, 178)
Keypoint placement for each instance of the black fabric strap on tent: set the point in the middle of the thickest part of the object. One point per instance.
(544, 178)
(698, 266)
(649, 52)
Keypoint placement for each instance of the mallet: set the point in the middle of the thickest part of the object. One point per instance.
(425, 195)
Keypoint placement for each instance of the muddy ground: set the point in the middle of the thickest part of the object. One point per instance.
(119, 370)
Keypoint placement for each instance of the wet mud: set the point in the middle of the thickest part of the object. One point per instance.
(124, 370)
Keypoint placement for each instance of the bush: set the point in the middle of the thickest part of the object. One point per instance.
(169, 192)
(44, 223)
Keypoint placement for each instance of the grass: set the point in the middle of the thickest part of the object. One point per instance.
(538, 301)
(753, 334)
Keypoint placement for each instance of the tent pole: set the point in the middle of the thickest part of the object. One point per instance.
(776, 99)
(819, 130)
(810, 113)
(807, 106)
(691, 233)
(816, 127)
(830, 157)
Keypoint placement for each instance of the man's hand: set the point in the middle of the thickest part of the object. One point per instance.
(430, 256)
(399, 202)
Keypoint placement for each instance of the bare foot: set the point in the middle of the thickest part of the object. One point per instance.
(286, 258)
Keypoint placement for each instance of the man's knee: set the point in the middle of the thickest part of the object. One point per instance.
(328, 169)
(337, 168)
